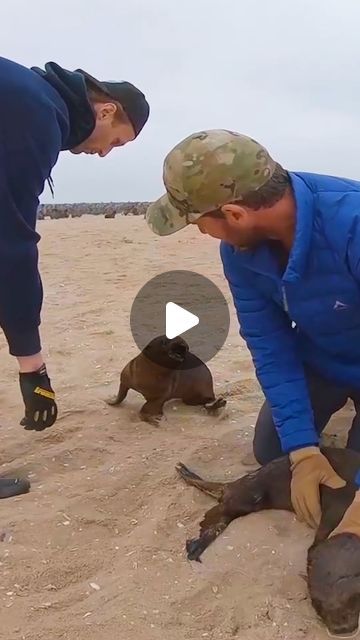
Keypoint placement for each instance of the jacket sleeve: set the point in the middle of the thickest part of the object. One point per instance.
(267, 332)
(29, 146)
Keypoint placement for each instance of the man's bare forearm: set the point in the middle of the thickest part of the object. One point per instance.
(28, 364)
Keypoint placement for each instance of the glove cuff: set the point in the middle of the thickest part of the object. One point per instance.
(301, 454)
(39, 372)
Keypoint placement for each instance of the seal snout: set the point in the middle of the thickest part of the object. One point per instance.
(334, 583)
(178, 349)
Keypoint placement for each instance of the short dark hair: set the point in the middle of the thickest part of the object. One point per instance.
(265, 197)
(272, 191)
(98, 97)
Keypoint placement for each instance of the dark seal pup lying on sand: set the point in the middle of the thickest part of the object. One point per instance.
(333, 564)
(167, 370)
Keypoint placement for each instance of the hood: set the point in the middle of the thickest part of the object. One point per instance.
(72, 89)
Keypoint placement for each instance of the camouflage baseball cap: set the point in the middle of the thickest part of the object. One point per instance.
(205, 171)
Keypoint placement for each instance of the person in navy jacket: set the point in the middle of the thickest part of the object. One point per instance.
(290, 248)
(43, 112)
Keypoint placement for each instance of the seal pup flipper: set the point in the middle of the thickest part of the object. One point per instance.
(212, 405)
(236, 499)
(215, 522)
(213, 489)
(219, 517)
(215, 405)
(122, 393)
(152, 411)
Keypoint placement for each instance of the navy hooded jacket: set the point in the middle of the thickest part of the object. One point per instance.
(319, 293)
(41, 113)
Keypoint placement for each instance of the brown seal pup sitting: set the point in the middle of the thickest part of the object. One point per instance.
(167, 370)
(333, 564)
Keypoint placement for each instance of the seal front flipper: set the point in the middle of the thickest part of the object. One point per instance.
(215, 405)
(215, 522)
(212, 405)
(152, 411)
(194, 549)
(153, 420)
(122, 393)
(236, 499)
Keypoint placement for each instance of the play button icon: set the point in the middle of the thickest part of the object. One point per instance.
(178, 320)
(181, 303)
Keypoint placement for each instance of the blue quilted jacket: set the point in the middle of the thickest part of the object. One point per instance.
(319, 293)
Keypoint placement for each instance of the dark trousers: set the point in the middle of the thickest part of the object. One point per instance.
(326, 399)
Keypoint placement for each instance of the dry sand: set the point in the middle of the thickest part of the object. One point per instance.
(96, 550)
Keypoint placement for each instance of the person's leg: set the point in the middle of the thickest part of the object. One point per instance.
(10, 487)
(326, 399)
(353, 441)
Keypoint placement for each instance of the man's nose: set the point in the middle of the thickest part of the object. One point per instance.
(104, 152)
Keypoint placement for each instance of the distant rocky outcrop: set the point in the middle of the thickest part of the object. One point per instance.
(106, 209)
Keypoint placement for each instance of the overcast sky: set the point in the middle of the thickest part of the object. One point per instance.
(286, 72)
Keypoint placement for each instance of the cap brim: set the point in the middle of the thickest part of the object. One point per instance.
(164, 219)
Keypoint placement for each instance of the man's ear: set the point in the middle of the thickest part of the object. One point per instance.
(106, 110)
(234, 212)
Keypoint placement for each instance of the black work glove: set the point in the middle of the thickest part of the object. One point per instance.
(39, 400)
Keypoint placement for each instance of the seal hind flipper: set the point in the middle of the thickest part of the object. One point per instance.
(186, 473)
(213, 489)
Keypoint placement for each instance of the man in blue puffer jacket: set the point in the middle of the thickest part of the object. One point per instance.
(291, 254)
(43, 112)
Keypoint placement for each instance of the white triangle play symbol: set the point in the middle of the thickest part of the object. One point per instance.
(178, 320)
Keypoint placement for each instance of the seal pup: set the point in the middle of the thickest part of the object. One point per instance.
(333, 564)
(167, 370)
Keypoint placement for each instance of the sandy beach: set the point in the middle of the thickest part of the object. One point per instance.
(96, 549)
